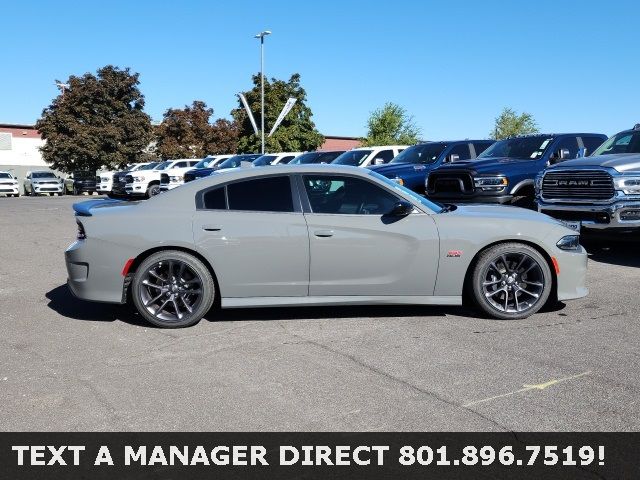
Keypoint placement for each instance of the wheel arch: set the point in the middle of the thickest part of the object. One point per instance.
(524, 185)
(142, 256)
(466, 289)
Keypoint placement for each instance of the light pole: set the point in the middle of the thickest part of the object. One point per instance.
(261, 36)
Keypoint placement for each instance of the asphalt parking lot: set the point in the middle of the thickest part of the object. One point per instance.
(70, 365)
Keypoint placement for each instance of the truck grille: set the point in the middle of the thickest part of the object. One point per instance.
(189, 176)
(97, 178)
(577, 185)
(444, 182)
(128, 179)
(164, 179)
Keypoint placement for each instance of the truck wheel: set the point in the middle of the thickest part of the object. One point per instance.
(153, 190)
(511, 281)
(172, 289)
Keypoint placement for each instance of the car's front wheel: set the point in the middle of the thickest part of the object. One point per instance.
(153, 190)
(173, 289)
(511, 281)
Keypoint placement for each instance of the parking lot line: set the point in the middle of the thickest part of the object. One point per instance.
(526, 388)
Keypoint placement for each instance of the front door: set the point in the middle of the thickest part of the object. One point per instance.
(356, 248)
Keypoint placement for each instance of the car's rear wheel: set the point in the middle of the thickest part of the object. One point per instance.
(511, 281)
(173, 289)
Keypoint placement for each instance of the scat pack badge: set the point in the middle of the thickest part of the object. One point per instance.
(454, 253)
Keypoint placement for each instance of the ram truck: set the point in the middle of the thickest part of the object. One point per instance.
(505, 172)
(596, 193)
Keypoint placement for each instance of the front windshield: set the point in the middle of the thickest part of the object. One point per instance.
(163, 165)
(423, 153)
(352, 157)
(523, 148)
(304, 158)
(624, 142)
(135, 168)
(5, 175)
(43, 175)
(204, 163)
(434, 207)
(151, 166)
(234, 162)
(264, 160)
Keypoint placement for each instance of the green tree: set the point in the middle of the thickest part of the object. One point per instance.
(391, 125)
(98, 121)
(297, 132)
(187, 133)
(509, 124)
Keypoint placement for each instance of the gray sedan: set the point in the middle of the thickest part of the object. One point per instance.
(316, 235)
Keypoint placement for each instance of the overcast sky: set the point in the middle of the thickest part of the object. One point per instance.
(573, 64)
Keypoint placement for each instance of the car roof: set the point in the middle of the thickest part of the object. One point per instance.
(555, 135)
(450, 142)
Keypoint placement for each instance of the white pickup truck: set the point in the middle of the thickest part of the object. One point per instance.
(146, 183)
(365, 156)
(175, 177)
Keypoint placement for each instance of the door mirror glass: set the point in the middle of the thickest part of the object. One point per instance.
(401, 209)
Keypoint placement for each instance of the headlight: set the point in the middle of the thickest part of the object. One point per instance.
(491, 183)
(138, 179)
(538, 182)
(629, 185)
(176, 178)
(570, 242)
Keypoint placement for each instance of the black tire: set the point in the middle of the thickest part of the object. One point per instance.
(522, 292)
(153, 190)
(173, 291)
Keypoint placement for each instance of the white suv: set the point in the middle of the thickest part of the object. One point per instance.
(365, 156)
(9, 185)
(174, 178)
(275, 158)
(41, 182)
(146, 183)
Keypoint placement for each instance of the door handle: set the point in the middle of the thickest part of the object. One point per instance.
(323, 233)
(211, 228)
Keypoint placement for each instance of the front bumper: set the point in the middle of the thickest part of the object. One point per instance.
(136, 188)
(103, 187)
(593, 216)
(47, 188)
(164, 187)
(572, 276)
(8, 189)
(500, 199)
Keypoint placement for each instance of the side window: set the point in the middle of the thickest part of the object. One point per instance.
(270, 194)
(481, 147)
(567, 143)
(215, 199)
(284, 160)
(461, 150)
(180, 165)
(591, 143)
(347, 196)
(383, 156)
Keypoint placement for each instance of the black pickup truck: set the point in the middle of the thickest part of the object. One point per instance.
(79, 182)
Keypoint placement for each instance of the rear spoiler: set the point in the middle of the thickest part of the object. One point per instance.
(83, 209)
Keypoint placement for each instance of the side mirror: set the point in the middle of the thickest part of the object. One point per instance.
(378, 161)
(454, 157)
(401, 209)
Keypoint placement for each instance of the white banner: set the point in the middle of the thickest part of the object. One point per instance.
(286, 109)
(246, 107)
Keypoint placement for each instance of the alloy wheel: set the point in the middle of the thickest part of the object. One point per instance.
(171, 290)
(513, 282)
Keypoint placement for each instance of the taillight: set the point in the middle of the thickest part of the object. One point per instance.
(81, 234)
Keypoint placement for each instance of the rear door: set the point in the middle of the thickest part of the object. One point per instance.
(254, 234)
(357, 249)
